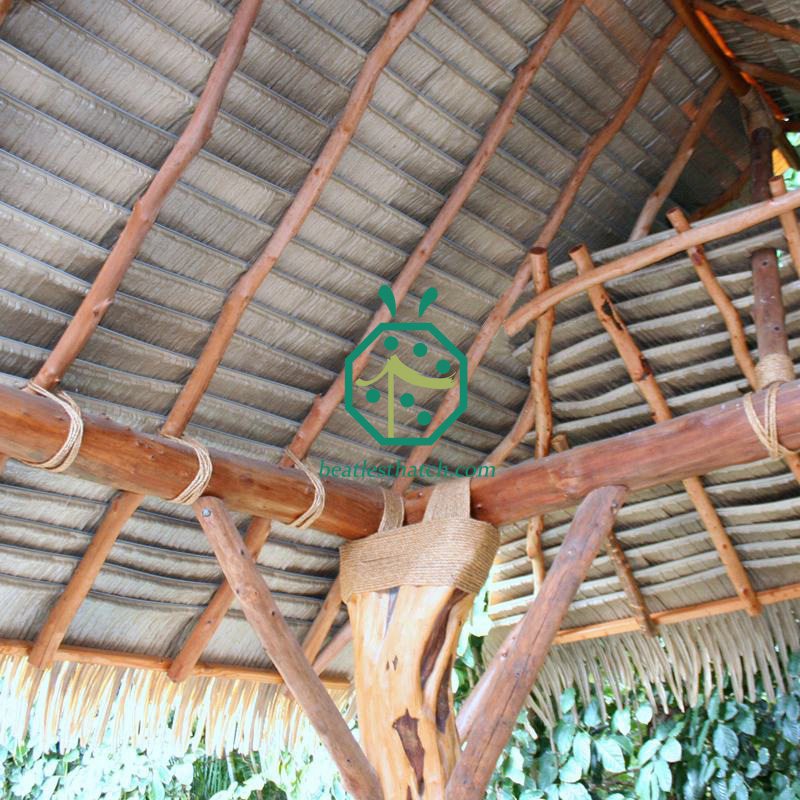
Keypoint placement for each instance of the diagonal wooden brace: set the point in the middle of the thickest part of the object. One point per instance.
(284, 650)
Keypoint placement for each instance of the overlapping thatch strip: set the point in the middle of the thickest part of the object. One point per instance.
(74, 704)
(685, 659)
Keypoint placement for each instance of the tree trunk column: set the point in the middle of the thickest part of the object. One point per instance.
(408, 592)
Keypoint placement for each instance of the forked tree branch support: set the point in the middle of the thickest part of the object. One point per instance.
(33, 428)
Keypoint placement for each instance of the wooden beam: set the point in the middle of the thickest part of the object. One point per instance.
(117, 658)
(323, 622)
(518, 664)
(556, 217)
(325, 405)
(683, 154)
(754, 21)
(32, 428)
(641, 374)
(769, 75)
(283, 648)
(726, 225)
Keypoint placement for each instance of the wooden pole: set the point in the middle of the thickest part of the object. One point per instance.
(518, 664)
(727, 225)
(643, 378)
(733, 192)
(681, 158)
(754, 21)
(32, 428)
(791, 230)
(324, 406)
(558, 213)
(630, 586)
(400, 25)
(768, 75)
(283, 648)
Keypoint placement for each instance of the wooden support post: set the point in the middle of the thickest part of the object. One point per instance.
(643, 378)
(283, 648)
(791, 229)
(630, 586)
(518, 662)
(681, 158)
(32, 428)
(728, 225)
(758, 23)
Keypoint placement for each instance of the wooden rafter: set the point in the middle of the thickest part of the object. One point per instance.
(625, 265)
(32, 428)
(769, 75)
(558, 213)
(400, 25)
(284, 650)
(518, 661)
(754, 21)
(733, 192)
(630, 586)
(645, 381)
(679, 161)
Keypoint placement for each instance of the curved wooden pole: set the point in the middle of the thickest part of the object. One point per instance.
(727, 225)
(400, 25)
(324, 406)
(558, 213)
(33, 428)
(685, 150)
(520, 658)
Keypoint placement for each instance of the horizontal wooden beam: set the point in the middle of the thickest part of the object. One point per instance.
(727, 225)
(32, 428)
(769, 75)
(118, 658)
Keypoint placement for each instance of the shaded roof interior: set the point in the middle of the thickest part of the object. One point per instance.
(92, 95)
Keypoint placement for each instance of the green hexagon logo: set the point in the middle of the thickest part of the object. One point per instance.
(421, 366)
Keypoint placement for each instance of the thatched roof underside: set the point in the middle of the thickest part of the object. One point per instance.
(92, 95)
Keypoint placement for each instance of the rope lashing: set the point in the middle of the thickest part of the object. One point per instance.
(766, 432)
(774, 368)
(68, 452)
(311, 514)
(447, 548)
(198, 485)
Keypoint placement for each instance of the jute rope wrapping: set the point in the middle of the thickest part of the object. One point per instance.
(310, 515)
(197, 487)
(446, 549)
(68, 451)
(767, 432)
(774, 368)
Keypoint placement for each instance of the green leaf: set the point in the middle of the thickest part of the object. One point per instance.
(763, 755)
(621, 720)
(791, 731)
(719, 789)
(573, 791)
(671, 750)
(753, 769)
(644, 713)
(611, 755)
(726, 742)
(514, 766)
(663, 774)
(563, 736)
(713, 706)
(591, 717)
(571, 771)
(582, 750)
(548, 769)
(157, 789)
(746, 722)
(648, 750)
(567, 700)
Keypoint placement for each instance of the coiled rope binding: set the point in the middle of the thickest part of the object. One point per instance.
(766, 432)
(312, 513)
(68, 452)
(198, 485)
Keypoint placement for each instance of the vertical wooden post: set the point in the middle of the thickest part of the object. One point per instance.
(284, 650)
(518, 661)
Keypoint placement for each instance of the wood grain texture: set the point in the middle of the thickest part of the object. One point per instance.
(283, 648)
(733, 14)
(518, 661)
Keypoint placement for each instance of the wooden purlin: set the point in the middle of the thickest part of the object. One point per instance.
(731, 13)
(679, 161)
(645, 381)
(399, 26)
